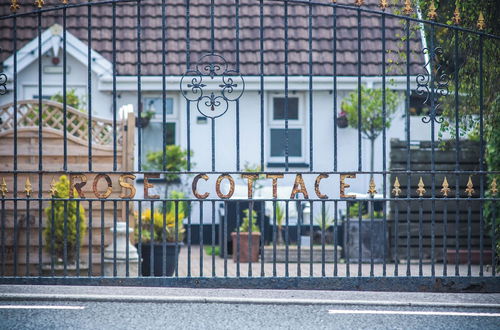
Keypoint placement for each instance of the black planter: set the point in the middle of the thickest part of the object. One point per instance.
(142, 122)
(369, 232)
(342, 122)
(169, 260)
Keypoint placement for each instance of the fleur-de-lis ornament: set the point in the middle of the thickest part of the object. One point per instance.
(456, 16)
(481, 25)
(408, 9)
(432, 15)
(39, 3)
(421, 188)
(493, 188)
(383, 4)
(28, 188)
(397, 188)
(470, 187)
(372, 188)
(14, 6)
(3, 188)
(446, 188)
(359, 3)
(53, 189)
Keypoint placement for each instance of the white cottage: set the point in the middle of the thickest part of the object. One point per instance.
(312, 70)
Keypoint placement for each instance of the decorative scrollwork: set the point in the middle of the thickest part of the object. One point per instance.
(434, 83)
(224, 85)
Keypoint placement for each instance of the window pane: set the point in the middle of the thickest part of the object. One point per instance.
(152, 137)
(278, 142)
(279, 108)
(156, 105)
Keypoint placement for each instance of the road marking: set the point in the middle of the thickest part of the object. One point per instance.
(39, 307)
(351, 311)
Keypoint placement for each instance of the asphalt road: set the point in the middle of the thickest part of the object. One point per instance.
(146, 315)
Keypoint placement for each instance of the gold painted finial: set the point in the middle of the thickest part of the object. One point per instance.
(432, 15)
(39, 3)
(470, 187)
(359, 3)
(397, 190)
(407, 9)
(446, 188)
(493, 188)
(421, 188)
(28, 189)
(65, 2)
(3, 188)
(456, 16)
(372, 188)
(53, 189)
(14, 6)
(480, 22)
(383, 4)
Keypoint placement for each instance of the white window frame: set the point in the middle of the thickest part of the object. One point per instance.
(300, 123)
(170, 118)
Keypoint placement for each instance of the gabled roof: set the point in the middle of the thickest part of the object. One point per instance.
(225, 35)
(52, 41)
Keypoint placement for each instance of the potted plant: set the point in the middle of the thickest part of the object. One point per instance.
(175, 161)
(145, 118)
(161, 233)
(280, 216)
(342, 121)
(371, 233)
(248, 235)
(323, 228)
(55, 232)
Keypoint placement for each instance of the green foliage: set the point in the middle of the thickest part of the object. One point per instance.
(148, 114)
(372, 122)
(71, 99)
(280, 214)
(468, 66)
(56, 208)
(329, 219)
(353, 212)
(163, 221)
(246, 221)
(215, 251)
(176, 161)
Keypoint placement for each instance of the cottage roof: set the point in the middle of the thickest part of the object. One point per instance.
(225, 37)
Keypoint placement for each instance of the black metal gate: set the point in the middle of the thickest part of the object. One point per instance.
(251, 121)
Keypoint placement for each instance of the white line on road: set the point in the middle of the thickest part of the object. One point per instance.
(39, 307)
(351, 311)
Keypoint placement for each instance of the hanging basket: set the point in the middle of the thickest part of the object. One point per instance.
(342, 121)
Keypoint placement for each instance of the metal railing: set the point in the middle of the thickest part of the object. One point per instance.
(326, 244)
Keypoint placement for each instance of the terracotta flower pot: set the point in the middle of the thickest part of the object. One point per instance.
(244, 241)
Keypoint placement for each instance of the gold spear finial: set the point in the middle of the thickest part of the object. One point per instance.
(407, 9)
(446, 188)
(397, 190)
(480, 22)
(359, 3)
(65, 2)
(493, 188)
(14, 6)
(39, 3)
(383, 4)
(3, 188)
(421, 188)
(456, 16)
(432, 15)
(53, 189)
(470, 187)
(28, 189)
(372, 188)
